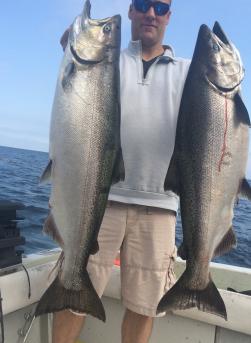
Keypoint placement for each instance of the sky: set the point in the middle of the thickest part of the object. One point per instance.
(31, 54)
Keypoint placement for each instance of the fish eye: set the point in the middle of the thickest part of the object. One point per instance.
(216, 47)
(107, 28)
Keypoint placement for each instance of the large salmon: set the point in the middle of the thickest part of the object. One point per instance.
(208, 167)
(86, 157)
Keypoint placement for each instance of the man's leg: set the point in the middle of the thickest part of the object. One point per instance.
(147, 256)
(66, 327)
(136, 328)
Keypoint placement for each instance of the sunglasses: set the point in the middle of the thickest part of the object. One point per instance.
(143, 6)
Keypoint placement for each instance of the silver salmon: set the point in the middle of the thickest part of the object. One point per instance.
(207, 169)
(85, 157)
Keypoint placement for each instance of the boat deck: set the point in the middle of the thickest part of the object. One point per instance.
(189, 326)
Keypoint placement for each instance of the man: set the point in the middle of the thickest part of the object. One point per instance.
(140, 217)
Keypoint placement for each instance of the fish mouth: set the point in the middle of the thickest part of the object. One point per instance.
(218, 34)
(217, 30)
(225, 90)
(86, 17)
(225, 71)
(82, 60)
(221, 89)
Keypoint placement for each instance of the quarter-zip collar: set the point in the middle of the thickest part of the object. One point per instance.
(135, 49)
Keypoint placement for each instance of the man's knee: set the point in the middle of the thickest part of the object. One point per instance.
(137, 316)
(66, 326)
(136, 328)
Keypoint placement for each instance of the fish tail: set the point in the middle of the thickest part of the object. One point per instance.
(57, 298)
(180, 297)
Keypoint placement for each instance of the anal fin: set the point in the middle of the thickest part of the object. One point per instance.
(183, 252)
(227, 243)
(50, 228)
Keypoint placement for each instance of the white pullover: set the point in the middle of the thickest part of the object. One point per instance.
(149, 112)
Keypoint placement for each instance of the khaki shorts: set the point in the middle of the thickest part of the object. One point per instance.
(145, 237)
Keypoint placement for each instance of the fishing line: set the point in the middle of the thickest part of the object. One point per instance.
(1, 320)
(29, 282)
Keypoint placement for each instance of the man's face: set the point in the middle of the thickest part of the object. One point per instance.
(148, 27)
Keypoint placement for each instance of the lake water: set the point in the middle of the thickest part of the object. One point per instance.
(20, 171)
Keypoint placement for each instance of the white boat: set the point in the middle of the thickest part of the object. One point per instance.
(189, 326)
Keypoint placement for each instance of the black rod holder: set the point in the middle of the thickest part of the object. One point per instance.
(10, 233)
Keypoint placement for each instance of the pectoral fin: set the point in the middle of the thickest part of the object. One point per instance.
(46, 173)
(119, 168)
(172, 178)
(245, 189)
(94, 248)
(69, 73)
(242, 111)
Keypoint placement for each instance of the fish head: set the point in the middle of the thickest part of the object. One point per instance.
(92, 41)
(222, 65)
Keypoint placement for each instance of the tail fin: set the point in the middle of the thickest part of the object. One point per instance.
(57, 298)
(180, 297)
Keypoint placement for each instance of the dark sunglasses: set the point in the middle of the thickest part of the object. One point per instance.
(143, 6)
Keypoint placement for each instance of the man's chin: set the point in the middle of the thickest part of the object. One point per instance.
(148, 40)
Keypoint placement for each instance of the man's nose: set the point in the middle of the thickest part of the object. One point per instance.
(151, 13)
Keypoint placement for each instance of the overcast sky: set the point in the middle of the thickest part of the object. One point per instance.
(31, 54)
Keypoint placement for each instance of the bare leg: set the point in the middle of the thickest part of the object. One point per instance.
(66, 327)
(136, 328)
